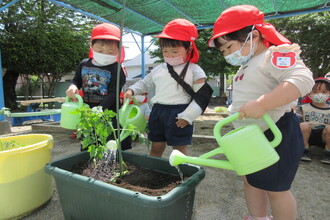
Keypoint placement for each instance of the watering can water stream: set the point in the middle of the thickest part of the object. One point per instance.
(247, 148)
(131, 114)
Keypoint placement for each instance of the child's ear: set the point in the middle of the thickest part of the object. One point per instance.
(256, 34)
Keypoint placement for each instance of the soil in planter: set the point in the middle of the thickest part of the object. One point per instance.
(145, 181)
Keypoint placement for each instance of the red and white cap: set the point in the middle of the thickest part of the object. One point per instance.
(109, 32)
(184, 30)
(241, 16)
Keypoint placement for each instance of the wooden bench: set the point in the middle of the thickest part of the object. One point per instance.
(33, 101)
(18, 118)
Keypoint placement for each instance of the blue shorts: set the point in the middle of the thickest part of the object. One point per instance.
(162, 127)
(280, 175)
(316, 137)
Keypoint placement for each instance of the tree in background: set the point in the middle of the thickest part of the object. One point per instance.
(42, 39)
(311, 32)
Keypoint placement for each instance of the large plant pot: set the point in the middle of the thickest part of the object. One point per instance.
(24, 186)
(86, 198)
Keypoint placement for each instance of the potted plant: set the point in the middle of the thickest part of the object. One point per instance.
(84, 197)
(24, 186)
(4, 123)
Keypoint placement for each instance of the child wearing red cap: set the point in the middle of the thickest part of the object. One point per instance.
(144, 105)
(97, 76)
(271, 76)
(172, 114)
(315, 114)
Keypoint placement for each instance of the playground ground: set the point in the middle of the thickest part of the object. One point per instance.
(219, 196)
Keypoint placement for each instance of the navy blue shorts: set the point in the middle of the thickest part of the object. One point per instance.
(316, 137)
(162, 127)
(280, 175)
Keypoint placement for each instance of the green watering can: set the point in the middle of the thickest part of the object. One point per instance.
(69, 120)
(246, 148)
(131, 114)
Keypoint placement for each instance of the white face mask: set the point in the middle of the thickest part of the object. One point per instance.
(104, 59)
(319, 97)
(139, 98)
(175, 61)
(236, 58)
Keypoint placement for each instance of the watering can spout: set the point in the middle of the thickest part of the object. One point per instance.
(177, 158)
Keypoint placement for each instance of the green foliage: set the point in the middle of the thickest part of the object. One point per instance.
(5, 111)
(40, 38)
(312, 33)
(29, 88)
(94, 128)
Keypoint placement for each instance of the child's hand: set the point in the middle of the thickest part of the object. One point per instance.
(128, 94)
(181, 123)
(251, 109)
(71, 92)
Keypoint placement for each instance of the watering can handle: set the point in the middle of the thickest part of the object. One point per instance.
(269, 121)
(127, 103)
(80, 100)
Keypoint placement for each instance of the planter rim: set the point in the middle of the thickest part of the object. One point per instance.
(39, 144)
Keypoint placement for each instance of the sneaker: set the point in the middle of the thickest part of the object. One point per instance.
(306, 157)
(326, 158)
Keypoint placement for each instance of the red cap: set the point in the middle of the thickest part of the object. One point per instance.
(106, 31)
(307, 99)
(109, 32)
(184, 30)
(241, 16)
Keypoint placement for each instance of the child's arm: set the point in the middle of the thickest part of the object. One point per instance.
(140, 87)
(284, 93)
(193, 110)
(76, 82)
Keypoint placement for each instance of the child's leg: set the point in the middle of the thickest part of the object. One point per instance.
(326, 136)
(157, 149)
(256, 200)
(326, 139)
(306, 131)
(283, 205)
(182, 148)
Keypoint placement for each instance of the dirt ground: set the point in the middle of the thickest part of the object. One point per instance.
(219, 195)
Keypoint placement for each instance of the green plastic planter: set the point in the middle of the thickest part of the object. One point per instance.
(86, 198)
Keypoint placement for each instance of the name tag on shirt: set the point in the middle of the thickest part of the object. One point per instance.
(282, 60)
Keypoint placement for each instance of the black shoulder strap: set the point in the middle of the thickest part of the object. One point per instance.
(177, 78)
